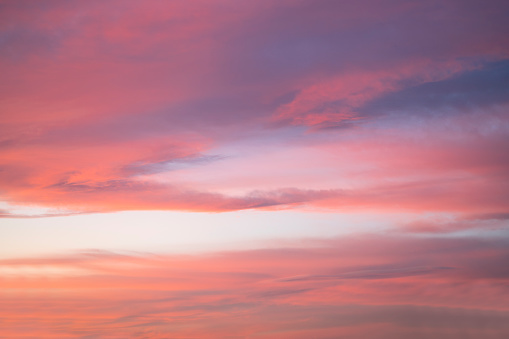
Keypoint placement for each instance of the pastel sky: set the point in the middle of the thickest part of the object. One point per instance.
(254, 169)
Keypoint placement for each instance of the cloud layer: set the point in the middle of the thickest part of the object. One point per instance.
(378, 286)
(377, 108)
(111, 106)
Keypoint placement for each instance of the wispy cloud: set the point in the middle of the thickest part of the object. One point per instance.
(396, 107)
(146, 101)
(344, 286)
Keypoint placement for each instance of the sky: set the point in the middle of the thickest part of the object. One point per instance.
(254, 169)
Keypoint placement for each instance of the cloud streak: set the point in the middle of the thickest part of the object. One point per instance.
(396, 108)
(347, 286)
(95, 103)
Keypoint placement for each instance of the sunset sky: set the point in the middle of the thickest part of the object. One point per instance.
(254, 169)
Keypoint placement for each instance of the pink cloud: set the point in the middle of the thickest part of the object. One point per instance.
(348, 286)
(110, 106)
(367, 106)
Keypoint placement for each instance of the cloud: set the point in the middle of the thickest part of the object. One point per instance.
(221, 106)
(372, 273)
(344, 286)
(471, 90)
(394, 106)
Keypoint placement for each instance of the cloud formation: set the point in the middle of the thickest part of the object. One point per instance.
(366, 106)
(379, 286)
(97, 108)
